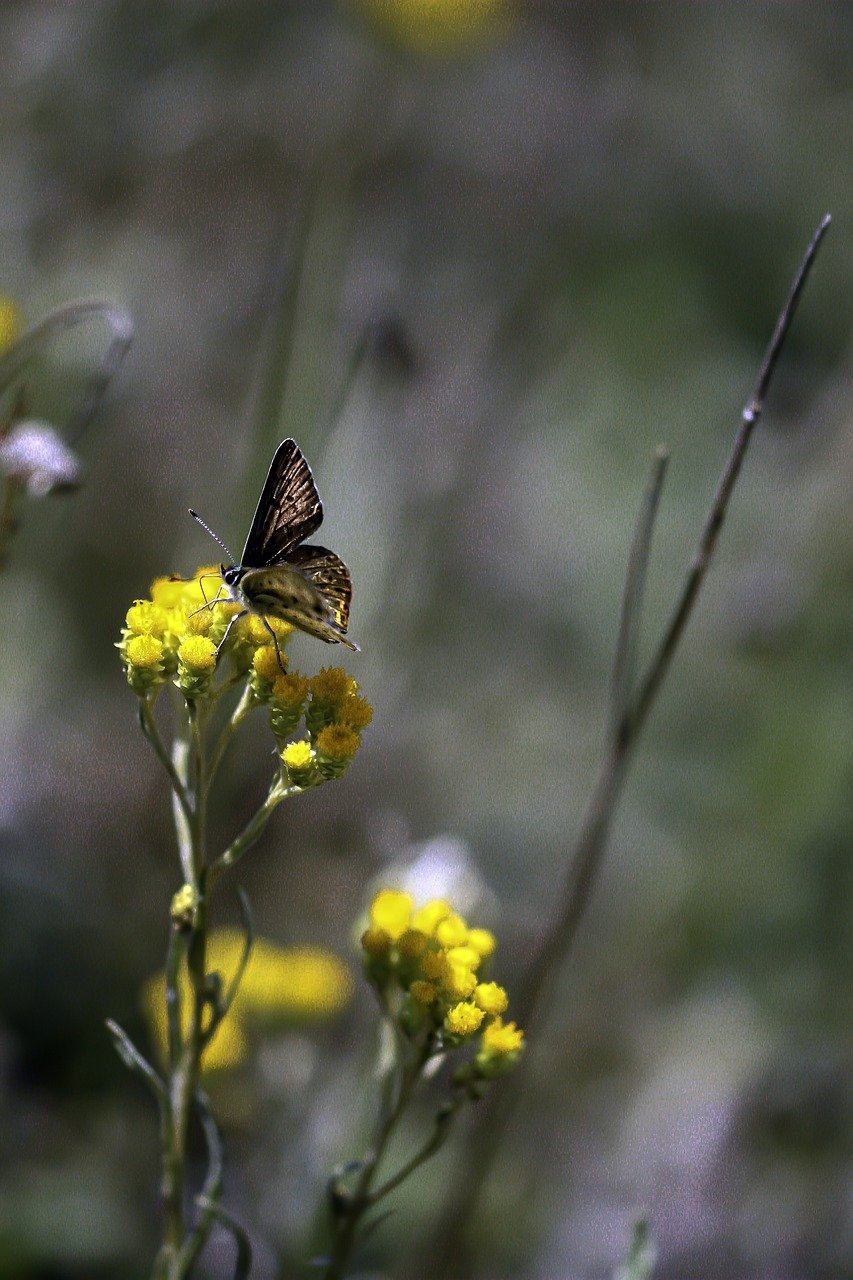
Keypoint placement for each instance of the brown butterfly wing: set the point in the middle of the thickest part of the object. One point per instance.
(289, 509)
(328, 573)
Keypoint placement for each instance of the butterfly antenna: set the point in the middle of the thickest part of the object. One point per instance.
(214, 536)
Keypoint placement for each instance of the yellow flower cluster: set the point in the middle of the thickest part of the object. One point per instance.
(279, 986)
(437, 26)
(176, 635)
(335, 715)
(435, 959)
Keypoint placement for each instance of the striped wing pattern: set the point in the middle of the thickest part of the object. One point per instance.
(328, 573)
(289, 509)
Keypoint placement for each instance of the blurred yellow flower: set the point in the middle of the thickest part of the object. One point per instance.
(438, 26)
(10, 322)
(391, 910)
(302, 985)
(463, 1019)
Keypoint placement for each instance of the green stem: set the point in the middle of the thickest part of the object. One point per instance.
(253, 830)
(185, 1071)
(356, 1203)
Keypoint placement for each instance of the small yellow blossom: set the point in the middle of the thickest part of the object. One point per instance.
(266, 664)
(491, 998)
(196, 665)
(144, 618)
(423, 992)
(431, 915)
(354, 712)
(168, 592)
(376, 941)
(482, 941)
(501, 1040)
(460, 981)
(290, 690)
(336, 746)
(288, 698)
(435, 966)
(412, 944)
(463, 1019)
(197, 654)
(298, 760)
(332, 685)
(465, 955)
(391, 910)
(452, 931)
(144, 651)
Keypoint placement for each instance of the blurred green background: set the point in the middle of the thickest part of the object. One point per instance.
(561, 238)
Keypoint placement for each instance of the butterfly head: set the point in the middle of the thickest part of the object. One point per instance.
(231, 574)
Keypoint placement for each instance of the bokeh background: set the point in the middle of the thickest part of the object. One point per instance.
(559, 233)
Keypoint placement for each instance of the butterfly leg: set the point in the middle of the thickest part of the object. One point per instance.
(231, 621)
(217, 597)
(275, 642)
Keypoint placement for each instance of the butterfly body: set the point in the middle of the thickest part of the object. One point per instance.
(282, 591)
(279, 574)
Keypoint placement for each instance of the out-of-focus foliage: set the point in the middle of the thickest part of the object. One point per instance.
(557, 250)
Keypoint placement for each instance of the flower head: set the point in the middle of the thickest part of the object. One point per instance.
(432, 957)
(501, 1046)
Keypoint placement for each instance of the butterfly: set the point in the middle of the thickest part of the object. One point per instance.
(279, 574)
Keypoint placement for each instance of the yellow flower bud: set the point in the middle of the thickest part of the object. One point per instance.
(355, 712)
(430, 915)
(168, 592)
(391, 910)
(491, 998)
(144, 651)
(423, 992)
(375, 941)
(143, 658)
(198, 655)
(482, 941)
(184, 908)
(452, 931)
(298, 759)
(144, 618)
(336, 746)
(500, 1048)
(466, 956)
(196, 665)
(288, 698)
(460, 982)
(463, 1019)
(412, 944)
(329, 688)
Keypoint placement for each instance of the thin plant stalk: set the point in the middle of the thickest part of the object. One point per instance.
(631, 712)
(351, 1207)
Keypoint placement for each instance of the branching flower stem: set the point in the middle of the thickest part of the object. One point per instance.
(350, 1206)
(631, 710)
